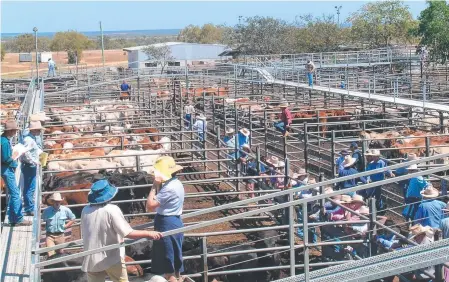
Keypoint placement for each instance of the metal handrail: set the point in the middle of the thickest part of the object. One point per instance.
(279, 206)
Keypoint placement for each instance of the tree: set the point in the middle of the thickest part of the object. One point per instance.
(3, 52)
(207, 34)
(321, 34)
(434, 29)
(74, 43)
(25, 43)
(160, 54)
(379, 23)
(263, 35)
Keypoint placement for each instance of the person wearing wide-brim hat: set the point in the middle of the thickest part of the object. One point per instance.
(8, 169)
(347, 168)
(418, 230)
(339, 161)
(422, 235)
(189, 110)
(412, 193)
(200, 126)
(376, 163)
(229, 139)
(103, 224)
(339, 214)
(243, 137)
(30, 162)
(286, 119)
(357, 154)
(168, 203)
(430, 211)
(58, 219)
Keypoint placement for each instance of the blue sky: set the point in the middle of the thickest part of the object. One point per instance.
(21, 16)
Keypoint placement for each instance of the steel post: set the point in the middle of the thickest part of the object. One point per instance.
(305, 230)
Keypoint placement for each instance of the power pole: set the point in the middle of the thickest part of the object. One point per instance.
(37, 63)
(338, 8)
(102, 45)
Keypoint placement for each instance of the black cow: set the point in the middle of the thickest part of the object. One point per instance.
(262, 240)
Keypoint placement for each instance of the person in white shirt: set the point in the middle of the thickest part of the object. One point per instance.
(201, 126)
(30, 162)
(51, 67)
(103, 224)
(310, 69)
(189, 110)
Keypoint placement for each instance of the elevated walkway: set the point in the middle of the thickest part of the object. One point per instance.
(388, 99)
(17, 242)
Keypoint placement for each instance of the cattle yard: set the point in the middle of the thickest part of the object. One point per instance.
(233, 233)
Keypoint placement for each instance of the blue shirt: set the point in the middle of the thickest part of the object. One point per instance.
(351, 182)
(358, 156)
(242, 140)
(230, 143)
(444, 226)
(171, 198)
(415, 186)
(376, 165)
(6, 153)
(124, 87)
(55, 219)
(430, 213)
(339, 161)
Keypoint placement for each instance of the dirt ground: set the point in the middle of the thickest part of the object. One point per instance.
(91, 58)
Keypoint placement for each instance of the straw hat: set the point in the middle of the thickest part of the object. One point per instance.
(345, 199)
(101, 192)
(412, 167)
(364, 210)
(357, 199)
(412, 157)
(349, 161)
(301, 172)
(244, 131)
(273, 160)
(39, 117)
(10, 125)
(230, 130)
(283, 104)
(281, 164)
(165, 166)
(372, 152)
(35, 125)
(418, 229)
(430, 192)
(55, 197)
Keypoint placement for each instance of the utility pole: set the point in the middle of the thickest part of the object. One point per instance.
(338, 8)
(37, 62)
(102, 45)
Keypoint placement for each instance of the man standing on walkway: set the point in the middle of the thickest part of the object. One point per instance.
(57, 218)
(51, 67)
(103, 224)
(30, 161)
(310, 69)
(8, 168)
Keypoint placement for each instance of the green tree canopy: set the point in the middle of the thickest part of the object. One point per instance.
(208, 33)
(382, 23)
(74, 43)
(3, 52)
(434, 29)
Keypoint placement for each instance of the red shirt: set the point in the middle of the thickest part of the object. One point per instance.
(286, 116)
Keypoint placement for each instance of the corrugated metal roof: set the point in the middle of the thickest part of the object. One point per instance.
(136, 48)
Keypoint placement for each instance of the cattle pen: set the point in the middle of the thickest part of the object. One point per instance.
(91, 130)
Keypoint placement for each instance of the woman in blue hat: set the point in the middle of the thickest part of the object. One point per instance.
(168, 203)
(103, 224)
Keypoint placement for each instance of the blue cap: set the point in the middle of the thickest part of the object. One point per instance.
(354, 144)
(101, 192)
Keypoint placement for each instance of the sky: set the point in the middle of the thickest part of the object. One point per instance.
(22, 16)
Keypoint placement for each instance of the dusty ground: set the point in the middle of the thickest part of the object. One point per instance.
(91, 58)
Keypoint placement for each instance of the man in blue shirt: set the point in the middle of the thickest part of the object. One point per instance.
(200, 126)
(375, 163)
(430, 211)
(30, 160)
(125, 89)
(404, 170)
(51, 68)
(57, 218)
(339, 161)
(243, 137)
(347, 170)
(413, 195)
(356, 154)
(8, 169)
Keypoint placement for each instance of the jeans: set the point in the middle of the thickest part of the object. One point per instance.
(280, 125)
(310, 78)
(188, 120)
(51, 70)
(29, 186)
(201, 136)
(14, 201)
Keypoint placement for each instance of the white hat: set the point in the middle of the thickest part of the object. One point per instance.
(230, 130)
(418, 229)
(345, 199)
(372, 152)
(301, 172)
(430, 192)
(55, 197)
(201, 116)
(412, 157)
(349, 161)
(245, 132)
(412, 167)
(273, 160)
(35, 125)
(357, 199)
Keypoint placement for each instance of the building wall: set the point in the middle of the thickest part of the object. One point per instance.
(181, 53)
